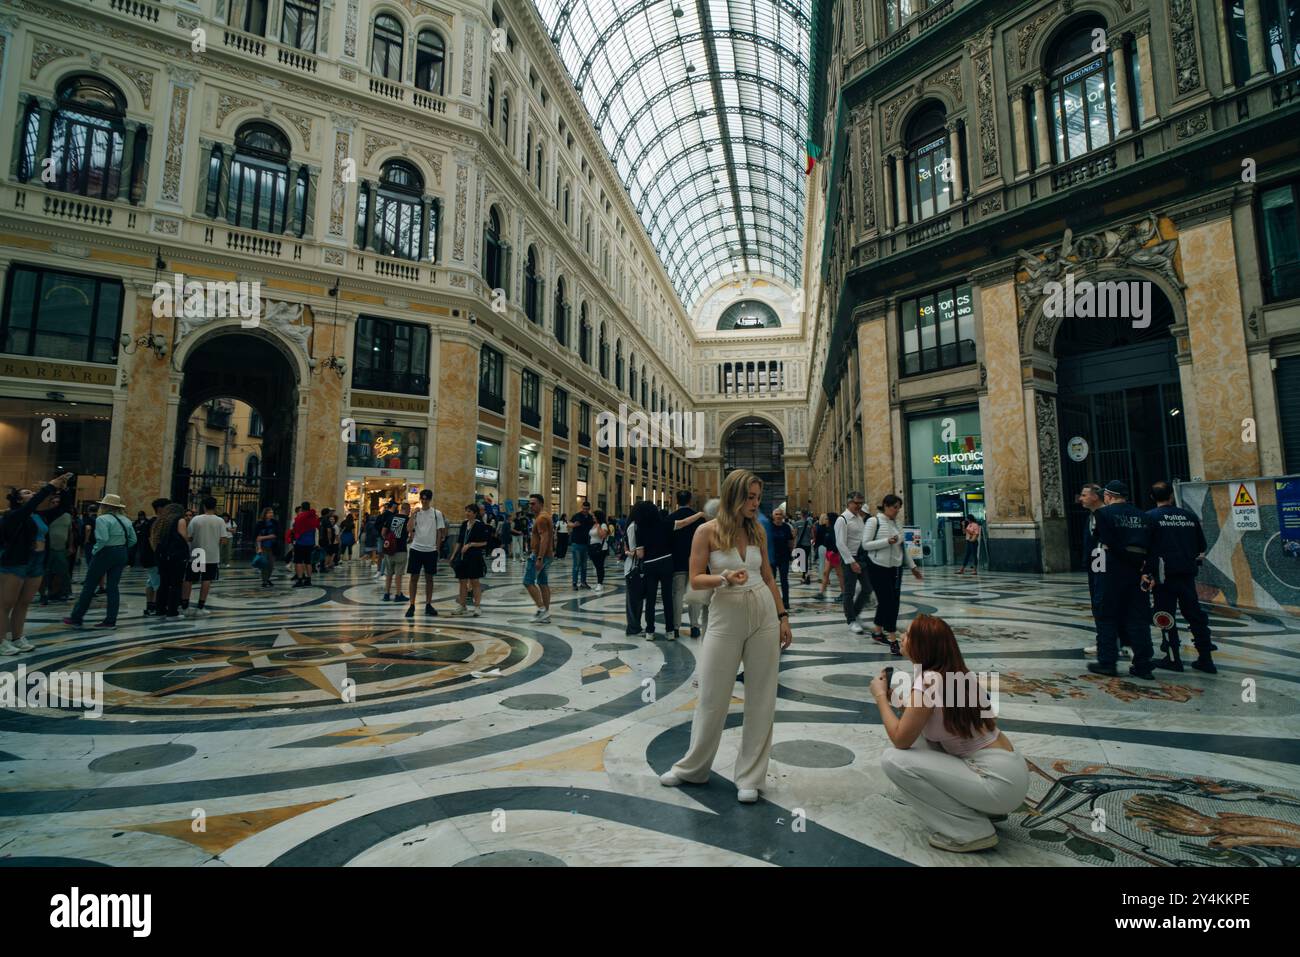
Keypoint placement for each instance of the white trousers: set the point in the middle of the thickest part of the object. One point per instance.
(681, 582)
(953, 795)
(742, 627)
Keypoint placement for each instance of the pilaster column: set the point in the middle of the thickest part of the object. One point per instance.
(128, 160)
(900, 187)
(1119, 58)
(1146, 74)
(1255, 39)
(1043, 124)
(955, 162)
(426, 202)
(291, 200)
(1020, 132)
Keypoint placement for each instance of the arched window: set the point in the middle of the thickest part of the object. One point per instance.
(253, 467)
(927, 163)
(298, 27)
(1082, 102)
(604, 352)
(631, 375)
(430, 61)
(86, 138)
(584, 335)
(492, 251)
(505, 118)
(528, 150)
(645, 388)
(539, 161)
(532, 287)
(386, 48)
(566, 204)
(258, 195)
(249, 16)
(618, 365)
(492, 102)
(399, 210)
(561, 314)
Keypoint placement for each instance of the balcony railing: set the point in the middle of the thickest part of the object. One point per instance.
(929, 230)
(559, 430)
(134, 8)
(427, 101)
(584, 439)
(530, 417)
(252, 243)
(296, 59)
(384, 88)
(245, 43)
(1091, 167)
(491, 401)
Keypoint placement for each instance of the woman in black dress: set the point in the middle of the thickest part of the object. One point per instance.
(467, 561)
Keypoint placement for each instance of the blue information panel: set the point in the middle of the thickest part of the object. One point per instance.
(1288, 509)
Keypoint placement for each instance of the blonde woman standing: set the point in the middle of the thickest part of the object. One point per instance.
(747, 623)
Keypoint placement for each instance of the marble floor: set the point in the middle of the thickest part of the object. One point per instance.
(318, 726)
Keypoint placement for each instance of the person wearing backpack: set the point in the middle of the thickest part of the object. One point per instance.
(114, 537)
(394, 532)
(886, 554)
(24, 538)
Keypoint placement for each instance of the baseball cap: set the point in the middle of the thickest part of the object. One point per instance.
(1116, 487)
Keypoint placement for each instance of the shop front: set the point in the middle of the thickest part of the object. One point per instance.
(529, 471)
(39, 438)
(946, 462)
(386, 462)
(487, 471)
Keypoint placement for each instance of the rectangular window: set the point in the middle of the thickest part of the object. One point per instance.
(391, 356)
(560, 413)
(61, 315)
(584, 424)
(937, 330)
(298, 28)
(491, 380)
(1280, 234)
(530, 399)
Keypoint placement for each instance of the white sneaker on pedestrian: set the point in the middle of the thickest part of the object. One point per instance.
(857, 629)
(475, 613)
(598, 589)
(669, 779)
(544, 618)
(22, 644)
(537, 615)
(747, 795)
(8, 649)
(189, 612)
(457, 610)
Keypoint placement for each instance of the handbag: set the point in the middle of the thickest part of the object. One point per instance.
(259, 560)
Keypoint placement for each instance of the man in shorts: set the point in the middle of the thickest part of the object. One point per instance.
(205, 533)
(428, 529)
(542, 547)
(393, 534)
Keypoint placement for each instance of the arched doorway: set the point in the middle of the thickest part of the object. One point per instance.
(1119, 391)
(228, 372)
(756, 445)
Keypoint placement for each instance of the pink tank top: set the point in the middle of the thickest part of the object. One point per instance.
(936, 733)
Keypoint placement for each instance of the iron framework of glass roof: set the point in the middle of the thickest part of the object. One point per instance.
(702, 105)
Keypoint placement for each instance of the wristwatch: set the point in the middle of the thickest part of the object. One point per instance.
(784, 614)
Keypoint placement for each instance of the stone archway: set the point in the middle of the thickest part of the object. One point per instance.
(252, 367)
(755, 443)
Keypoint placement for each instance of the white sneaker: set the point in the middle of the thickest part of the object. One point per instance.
(475, 613)
(8, 649)
(537, 615)
(22, 644)
(544, 618)
(190, 613)
(204, 612)
(597, 589)
(669, 779)
(857, 629)
(747, 795)
(457, 610)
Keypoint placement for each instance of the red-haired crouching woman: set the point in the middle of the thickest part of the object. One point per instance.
(956, 768)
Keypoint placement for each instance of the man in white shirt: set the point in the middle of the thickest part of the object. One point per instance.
(848, 542)
(206, 533)
(428, 529)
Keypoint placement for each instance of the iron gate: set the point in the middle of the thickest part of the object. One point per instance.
(243, 495)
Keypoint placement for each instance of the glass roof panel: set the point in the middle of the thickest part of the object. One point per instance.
(701, 104)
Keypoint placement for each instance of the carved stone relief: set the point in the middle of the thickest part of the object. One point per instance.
(1182, 37)
(1049, 455)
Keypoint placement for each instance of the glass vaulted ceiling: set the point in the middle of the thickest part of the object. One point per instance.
(702, 105)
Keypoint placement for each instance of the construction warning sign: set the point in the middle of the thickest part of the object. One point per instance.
(1245, 508)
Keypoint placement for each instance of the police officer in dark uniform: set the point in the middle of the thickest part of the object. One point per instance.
(1177, 547)
(1121, 605)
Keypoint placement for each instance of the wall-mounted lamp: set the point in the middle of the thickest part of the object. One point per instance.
(153, 340)
(335, 362)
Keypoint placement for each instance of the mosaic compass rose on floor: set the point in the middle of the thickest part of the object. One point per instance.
(276, 666)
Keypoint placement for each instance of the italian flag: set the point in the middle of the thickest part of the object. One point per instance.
(814, 154)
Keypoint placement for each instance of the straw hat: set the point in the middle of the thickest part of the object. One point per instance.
(112, 501)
